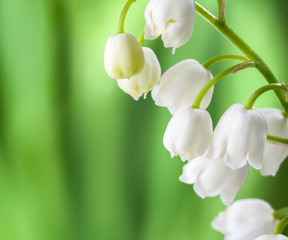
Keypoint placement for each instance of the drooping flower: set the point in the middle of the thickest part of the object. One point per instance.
(123, 56)
(246, 219)
(240, 137)
(272, 237)
(146, 79)
(173, 19)
(188, 133)
(180, 85)
(274, 153)
(212, 177)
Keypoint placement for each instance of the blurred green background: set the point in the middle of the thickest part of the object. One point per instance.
(80, 159)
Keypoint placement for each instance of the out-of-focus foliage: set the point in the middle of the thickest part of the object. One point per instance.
(80, 159)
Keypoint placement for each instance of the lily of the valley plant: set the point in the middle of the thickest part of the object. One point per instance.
(245, 137)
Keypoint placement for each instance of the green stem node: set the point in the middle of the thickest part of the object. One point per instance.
(281, 225)
(251, 100)
(123, 15)
(211, 83)
(219, 58)
(244, 65)
(231, 36)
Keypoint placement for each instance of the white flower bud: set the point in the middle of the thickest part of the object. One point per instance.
(146, 79)
(123, 56)
(173, 19)
(246, 219)
(212, 177)
(272, 237)
(274, 153)
(188, 133)
(180, 85)
(240, 137)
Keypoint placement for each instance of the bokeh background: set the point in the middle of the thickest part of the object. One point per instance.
(80, 159)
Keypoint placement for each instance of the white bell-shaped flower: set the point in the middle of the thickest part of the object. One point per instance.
(240, 137)
(188, 133)
(180, 85)
(274, 153)
(146, 79)
(272, 237)
(246, 219)
(173, 19)
(123, 56)
(212, 177)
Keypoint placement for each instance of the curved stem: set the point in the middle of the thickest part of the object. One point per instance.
(281, 225)
(231, 36)
(244, 65)
(282, 212)
(219, 58)
(211, 83)
(123, 15)
(251, 100)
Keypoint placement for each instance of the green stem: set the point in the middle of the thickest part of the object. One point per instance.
(285, 114)
(231, 36)
(219, 58)
(222, 10)
(281, 225)
(282, 212)
(141, 39)
(278, 140)
(251, 100)
(211, 83)
(123, 15)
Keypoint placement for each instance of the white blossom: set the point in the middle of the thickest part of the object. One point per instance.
(240, 137)
(180, 85)
(123, 56)
(173, 19)
(246, 219)
(146, 79)
(272, 237)
(274, 153)
(212, 177)
(188, 133)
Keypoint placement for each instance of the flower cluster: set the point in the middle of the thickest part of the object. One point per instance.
(218, 160)
(238, 141)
